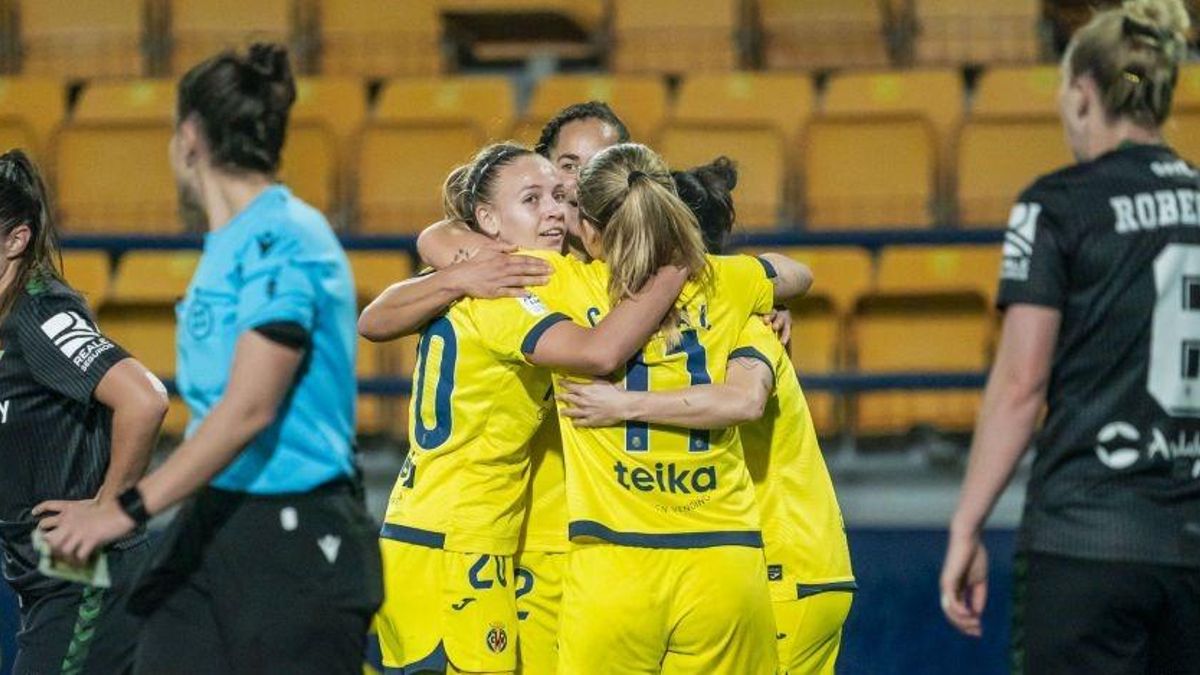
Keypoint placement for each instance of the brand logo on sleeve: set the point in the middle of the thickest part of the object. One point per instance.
(1018, 241)
(76, 338)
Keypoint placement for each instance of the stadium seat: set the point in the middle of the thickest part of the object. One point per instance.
(380, 38)
(998, 158)
(30, 110)
(517, 30)
(401, 170)
(1187, 90)
(485, 101)
(917, 270)
(840, 274)
(936, 94)
(385, 415)
(818, 34)
(140, 311)
(704, 36)
(83, 38)
(817, 349)
(327, 114)
(201, 28)
(111, 158)
(88, 272)
(919, 333)
(175, 423)
(783, 100)
(1031, 91)
(640, 101)
(977, 31)
(863, 172)
(374, 271)
(1183, 134)
(759, 152)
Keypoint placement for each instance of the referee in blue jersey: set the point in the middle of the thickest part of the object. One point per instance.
(274, 566)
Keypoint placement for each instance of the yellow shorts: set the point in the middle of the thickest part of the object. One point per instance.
(628, 611)
(447, 612)
(810, 632)
(539, 598)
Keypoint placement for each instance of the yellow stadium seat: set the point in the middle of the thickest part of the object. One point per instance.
(111, 160)
(918, 270)
(703, 36)
(817, 34)
(30, 109)
(401, 170)
(89, 273)
(380, 38)
(175, 423)
(82, 38)
(1187, 89)
(516, 30)
(999, 157)
(741, 98)
(327, 114)
(640, 101)
(153, 277)
(1031, 91)
(977, 31)
(379, 415)
(486, 102)
(898, 333)
(840, 274)
(1183, 134)
(759, 152)
(140, 311)
(936, 94)
(863, 172)
(374, 271)
(202, 28)
(817, 349)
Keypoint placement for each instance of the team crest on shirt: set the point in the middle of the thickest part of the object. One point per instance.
(1018, 241)
(497, 638)
(199, 319)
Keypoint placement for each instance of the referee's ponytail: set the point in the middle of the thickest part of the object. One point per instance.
(23, 203)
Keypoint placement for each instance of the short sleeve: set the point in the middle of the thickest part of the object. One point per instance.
(511, 327)
(65, 350)
(277, 285)
(758, 341)
(1036, 253)
(749, 279)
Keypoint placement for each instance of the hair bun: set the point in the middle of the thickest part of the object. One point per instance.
(1169, 18)
(266, 68)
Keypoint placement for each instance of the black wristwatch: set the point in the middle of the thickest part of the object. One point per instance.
(131, 503)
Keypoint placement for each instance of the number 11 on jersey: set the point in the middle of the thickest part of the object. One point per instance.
(637, 378)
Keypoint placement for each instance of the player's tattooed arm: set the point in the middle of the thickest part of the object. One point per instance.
(741, 398)
(478, 268)
(792, 278)
(404, 307)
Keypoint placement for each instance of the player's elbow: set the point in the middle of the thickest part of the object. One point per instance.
(370, 326)
(752, 404)
(600, 361)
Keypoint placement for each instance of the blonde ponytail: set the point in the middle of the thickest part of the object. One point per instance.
(628, 194)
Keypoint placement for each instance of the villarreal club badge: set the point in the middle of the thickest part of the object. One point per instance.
(497, 638)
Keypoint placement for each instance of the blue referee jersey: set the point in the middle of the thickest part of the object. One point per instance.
(276, 261)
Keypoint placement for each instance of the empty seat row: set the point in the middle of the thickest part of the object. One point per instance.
(386, 38)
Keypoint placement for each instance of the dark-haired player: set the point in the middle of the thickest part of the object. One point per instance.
(273, 567)
(1101, 292)
(78, 420)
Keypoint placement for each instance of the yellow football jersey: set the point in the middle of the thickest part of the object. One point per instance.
(655, 486)
(476, 404)
(803, 532)
(545, 528)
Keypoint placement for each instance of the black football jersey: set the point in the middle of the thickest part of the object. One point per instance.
(1114, 245)
(54, 437)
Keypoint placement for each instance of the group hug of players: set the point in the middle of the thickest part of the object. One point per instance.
(551, 517)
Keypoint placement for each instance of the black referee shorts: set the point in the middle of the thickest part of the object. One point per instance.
(262, 584)
(1090, 617)
(80, 630)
